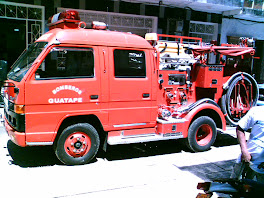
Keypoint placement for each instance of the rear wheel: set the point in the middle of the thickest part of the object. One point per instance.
(201, 134)
(77, 144)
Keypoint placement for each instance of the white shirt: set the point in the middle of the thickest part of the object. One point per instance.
(255, 119)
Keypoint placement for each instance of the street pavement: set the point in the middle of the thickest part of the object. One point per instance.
(154, 169)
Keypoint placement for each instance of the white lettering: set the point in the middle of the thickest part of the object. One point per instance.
(64, 100)
(62, 87)
(67, 87)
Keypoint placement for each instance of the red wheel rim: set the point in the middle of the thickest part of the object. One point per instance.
(204, 134)
(77, 144)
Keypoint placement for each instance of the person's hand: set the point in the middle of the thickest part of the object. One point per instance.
(246, 157)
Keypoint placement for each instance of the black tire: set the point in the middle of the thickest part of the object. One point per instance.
(78, 144)
(201, 134)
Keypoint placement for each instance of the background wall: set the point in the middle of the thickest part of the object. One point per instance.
(241, 28)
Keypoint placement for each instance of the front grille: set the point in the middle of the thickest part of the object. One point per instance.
(17, 121)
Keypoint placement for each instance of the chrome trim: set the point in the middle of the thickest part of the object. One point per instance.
(171, 120)
(128, 125)
(39, 143)
(139, 139)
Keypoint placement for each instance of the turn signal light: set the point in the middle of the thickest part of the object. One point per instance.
(19, 109)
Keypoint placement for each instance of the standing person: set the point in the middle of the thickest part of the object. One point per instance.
(252, 151)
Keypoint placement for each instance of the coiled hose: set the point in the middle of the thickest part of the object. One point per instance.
(240, 94)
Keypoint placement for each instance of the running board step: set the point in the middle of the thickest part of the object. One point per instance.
(114, 140)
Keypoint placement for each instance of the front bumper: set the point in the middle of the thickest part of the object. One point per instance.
(19, 138)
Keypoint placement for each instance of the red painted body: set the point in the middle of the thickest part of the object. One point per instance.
(122, 107)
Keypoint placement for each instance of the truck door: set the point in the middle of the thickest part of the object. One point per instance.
(130, 91)
(67, 82)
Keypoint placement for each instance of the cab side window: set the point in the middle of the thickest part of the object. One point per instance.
(67, 63)
(129, 64)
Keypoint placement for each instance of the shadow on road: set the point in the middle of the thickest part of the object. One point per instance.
(224, 139)
(32, 156)
(211, 171)
(130, 151)
(44, 155)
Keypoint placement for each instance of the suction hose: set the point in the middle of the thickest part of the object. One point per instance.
(240, 94)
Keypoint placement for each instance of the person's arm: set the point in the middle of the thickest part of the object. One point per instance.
(243, 144)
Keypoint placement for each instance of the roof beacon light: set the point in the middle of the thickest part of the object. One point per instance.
(66, 19)
(71, 14)
(68, 14)
(99, 25)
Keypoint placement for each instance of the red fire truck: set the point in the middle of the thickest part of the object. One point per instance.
(80, 89)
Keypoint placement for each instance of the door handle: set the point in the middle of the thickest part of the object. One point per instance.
(145, 95)
(94, 97)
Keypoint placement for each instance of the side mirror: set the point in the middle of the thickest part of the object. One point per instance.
(3, 70)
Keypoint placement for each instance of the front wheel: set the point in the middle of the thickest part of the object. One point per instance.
(77, 144)
(201, 134)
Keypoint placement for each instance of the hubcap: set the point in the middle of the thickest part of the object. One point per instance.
(77, 144)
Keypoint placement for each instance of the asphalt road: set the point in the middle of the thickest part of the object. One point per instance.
(153, 169)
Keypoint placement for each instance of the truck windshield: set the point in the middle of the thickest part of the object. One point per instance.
(24, 62)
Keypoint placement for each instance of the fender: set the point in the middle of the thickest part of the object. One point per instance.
(205, 104)
(101, 118)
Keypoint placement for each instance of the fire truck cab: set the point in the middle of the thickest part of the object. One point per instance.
(80, 89)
